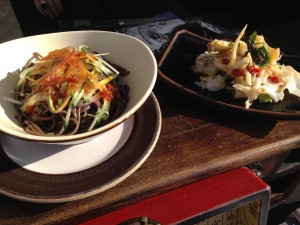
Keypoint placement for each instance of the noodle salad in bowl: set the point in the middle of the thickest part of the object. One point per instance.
(69, 91)
(248, 68)
(68, 87)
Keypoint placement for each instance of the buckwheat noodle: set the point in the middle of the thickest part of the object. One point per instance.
(98, 100)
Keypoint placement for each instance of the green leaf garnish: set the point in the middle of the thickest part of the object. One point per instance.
(265, 98)
(260, 56)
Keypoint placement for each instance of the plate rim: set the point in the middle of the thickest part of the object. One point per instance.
(11, 170)
(201, 98)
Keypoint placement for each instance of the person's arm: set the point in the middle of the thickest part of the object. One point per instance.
(49, 8)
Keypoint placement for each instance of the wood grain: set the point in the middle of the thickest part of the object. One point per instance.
(196, 142)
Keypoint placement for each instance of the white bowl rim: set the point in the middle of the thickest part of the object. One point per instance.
(86, 135)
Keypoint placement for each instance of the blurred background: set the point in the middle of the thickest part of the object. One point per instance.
(9, 27)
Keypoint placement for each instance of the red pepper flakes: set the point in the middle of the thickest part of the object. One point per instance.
(254, 70)
(237, 72)
(225, 61)
(274, 79)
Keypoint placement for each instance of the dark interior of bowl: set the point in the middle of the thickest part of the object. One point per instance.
(175, 69)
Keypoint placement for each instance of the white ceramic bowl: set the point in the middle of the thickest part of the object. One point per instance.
(124, 50)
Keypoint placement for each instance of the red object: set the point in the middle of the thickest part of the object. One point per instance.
(225, 191)
(274, 79)
(238, 72)
(225, 61)
(254, 70)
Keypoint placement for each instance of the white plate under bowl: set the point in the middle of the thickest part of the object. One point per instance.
(63, 159)
(22, 184)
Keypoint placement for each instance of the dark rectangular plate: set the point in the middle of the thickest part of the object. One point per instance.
(174, 68)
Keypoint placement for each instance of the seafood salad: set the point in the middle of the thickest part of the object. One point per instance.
(248, 68)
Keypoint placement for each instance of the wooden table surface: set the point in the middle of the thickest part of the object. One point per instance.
(196, 141)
